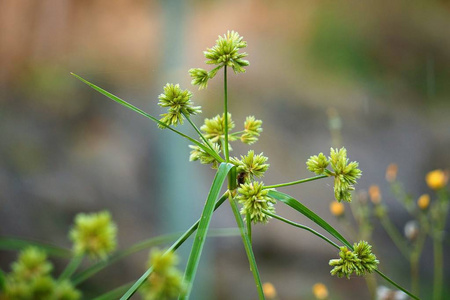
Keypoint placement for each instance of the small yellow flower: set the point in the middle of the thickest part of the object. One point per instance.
(337, 208)
(424, 201)
(269, 290)
(374, 194)
(391, 172)
(436, 179)
(320, 291)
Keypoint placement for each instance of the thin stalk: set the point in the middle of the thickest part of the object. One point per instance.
(71, 267)
(114, 294)
(396, 285)
(295, 182)
(130, 292)
(225, 108)
(198, 131)
(248, 249)
(248, 220)
(438, 268)
(302, 227)
(395, 236)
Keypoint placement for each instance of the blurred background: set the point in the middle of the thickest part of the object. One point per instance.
(379, 71)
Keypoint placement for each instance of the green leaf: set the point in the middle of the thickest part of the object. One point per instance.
(17, 244)
(71, 267)
(248, 249)
(199, 241)
(147, 115)
(174, 247)
(288, 200)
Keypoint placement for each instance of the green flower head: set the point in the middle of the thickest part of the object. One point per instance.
(94, 234)
(251, 165)
(359, 261)
(64, 290)
(179, 103)
(226, 52)
(255, 199)
(200, 77)
(317, 163)
(32, 263)
(204, 157)
(345, 174)
(165, 282)
(214, 129)
(252, 130)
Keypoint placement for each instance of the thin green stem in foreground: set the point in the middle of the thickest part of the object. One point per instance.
(396, 285)
(248, 249)
(114, 294)
(130, 292)
(225, 108)
(147, 115)
(71, 267)
(248, 220)
(295, 182)
(198, 131)
(302, 227)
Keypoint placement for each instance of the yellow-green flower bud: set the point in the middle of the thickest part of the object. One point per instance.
(214, 129)
(179, 102)
(200, 77)
(252, 130)
(226, 52)
(32, 263)
(251, 165)
(255, 199)
(317, 163)
(64, 290)
(94, 234)
(359, 261)
(204, 157)
(345, 174)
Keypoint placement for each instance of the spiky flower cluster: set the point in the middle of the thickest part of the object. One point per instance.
(214, 129)
(204, 157)
(94, 234)
(30, 279)
(224, 53)
(252, 130)
(345, 173)
(250, 166)
(179, 103)
(165, 282)
(255, 199)
(359, 261)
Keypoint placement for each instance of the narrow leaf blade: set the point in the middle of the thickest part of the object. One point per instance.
(288, 200)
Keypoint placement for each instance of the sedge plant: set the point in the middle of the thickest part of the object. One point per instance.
(252, 201)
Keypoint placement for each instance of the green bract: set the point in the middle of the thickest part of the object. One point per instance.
(255, 199)
(179, 102)
(94, 234)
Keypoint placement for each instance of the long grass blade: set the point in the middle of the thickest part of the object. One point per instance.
(248, 249)
(147, 115)
(114, 294)
(199, 241)
(288, 200)
(71, 267)
(174, 247)
(17, 244)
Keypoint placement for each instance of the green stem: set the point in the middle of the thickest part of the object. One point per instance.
(302, 227)
(198, 131)
(225, 108)
(438, 267)
(295, 182)
(114, 294)
(174, 247)
(395, 236)
(71, 267)
(396, 285)
(248, 220)
(248, 249)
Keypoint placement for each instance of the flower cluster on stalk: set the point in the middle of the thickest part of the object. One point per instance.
(30, 278)
(165, 282)
(224, 53)
(345, 173)
(359, 261)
